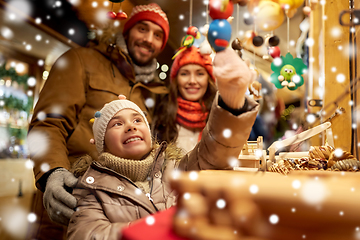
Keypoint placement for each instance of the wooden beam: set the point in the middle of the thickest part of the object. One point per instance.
(315, 58)
(336, 68)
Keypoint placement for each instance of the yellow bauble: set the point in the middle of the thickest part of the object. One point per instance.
(290, 12)
(270, 16)
(293, 4)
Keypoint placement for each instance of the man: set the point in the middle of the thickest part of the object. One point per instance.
(81, 81)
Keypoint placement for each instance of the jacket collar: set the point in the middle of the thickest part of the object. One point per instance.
(159, 159)
(120, 59)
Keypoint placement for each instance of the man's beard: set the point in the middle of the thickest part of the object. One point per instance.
(138, 61)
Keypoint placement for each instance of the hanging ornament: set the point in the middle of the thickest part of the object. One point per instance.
(258, 41)
(274, 52)
(219, 33)
(274, 41)
(268, 15)
(249, 20)
(290, 6)
(242, 3)
(204, 47)
(220, 9)
(237, 46)
(255, 90)
(288, 72)
(113, 15)
(307, 9)
(191, 34)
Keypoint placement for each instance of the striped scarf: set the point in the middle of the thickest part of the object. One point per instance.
(190, 114)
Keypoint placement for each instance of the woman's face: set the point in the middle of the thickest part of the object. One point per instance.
(192, 80)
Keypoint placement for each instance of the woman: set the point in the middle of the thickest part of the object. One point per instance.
(181, 116)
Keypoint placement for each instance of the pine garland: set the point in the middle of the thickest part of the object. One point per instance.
(12, 102)
(11, 73)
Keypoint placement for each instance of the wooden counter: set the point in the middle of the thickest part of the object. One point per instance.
(234, 205)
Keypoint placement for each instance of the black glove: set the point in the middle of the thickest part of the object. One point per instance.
(58, 202)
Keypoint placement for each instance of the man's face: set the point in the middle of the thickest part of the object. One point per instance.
(144, 42)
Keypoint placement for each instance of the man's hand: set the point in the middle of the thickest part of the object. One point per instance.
(233, 77)
(58, 202)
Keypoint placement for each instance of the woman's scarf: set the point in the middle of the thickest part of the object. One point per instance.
(190, 114)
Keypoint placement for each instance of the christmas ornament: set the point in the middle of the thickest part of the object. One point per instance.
(307, 10)
(258, 41)
(219, 32)
(187, 41)
(249, 20)
(274, 41)
(220, 9)
(288, 72)
(237, 46)
(274, 52)
(242, 3)
(116, 16)
(290, 6)
(268, 15)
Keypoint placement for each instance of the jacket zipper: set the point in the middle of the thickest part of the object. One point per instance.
(152, 178)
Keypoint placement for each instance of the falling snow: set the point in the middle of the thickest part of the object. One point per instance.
(150, 220)
(296, 184)
(37, 143)
(221, 203)
(31, 217)
(274, 219)
(254, 189)
(227, 133)
(149, 102)
(193, 176)
(233, 162)
(314, 192)
(45, 167)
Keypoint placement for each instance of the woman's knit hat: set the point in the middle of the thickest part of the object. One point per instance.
(150, 12)
(192, 55)
(103, 117)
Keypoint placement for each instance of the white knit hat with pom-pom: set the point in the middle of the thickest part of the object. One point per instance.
(103, 117)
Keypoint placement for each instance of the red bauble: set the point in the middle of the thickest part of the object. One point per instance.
(121, 15)
(215, 9)
(274, 52)
(111, 15)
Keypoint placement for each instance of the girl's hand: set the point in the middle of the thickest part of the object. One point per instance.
(233, 76)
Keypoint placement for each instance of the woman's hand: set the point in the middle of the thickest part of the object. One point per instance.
(233, 77)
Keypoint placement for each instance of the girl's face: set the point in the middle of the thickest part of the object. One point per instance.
(192, 81)
(127, 135)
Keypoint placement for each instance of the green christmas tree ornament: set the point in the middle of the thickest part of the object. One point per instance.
(288, 72)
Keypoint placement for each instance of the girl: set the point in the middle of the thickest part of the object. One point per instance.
(181, 116)
(130, 179)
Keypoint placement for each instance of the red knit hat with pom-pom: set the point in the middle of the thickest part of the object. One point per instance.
(150, 12)
(192, 55)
